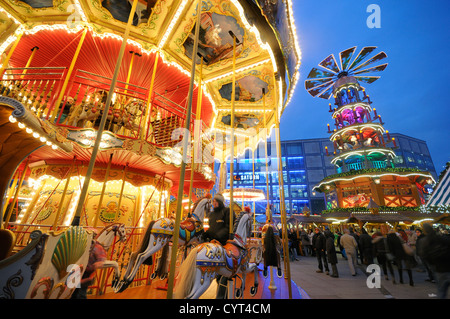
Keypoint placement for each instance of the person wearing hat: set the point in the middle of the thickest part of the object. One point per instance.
(219, 229)
(219, 221)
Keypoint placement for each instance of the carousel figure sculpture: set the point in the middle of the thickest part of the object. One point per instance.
(208, 260)
(158, 234)
(97, 257)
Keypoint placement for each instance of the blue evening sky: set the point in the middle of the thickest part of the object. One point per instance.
(412, 95)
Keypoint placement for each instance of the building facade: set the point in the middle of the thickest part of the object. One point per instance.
(305, 164)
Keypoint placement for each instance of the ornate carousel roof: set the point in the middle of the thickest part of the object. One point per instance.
(267, 52)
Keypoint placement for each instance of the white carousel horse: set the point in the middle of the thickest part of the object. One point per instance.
(159, 233)
(98, 252)
(208, 260)
(272, 248)
(105, 239)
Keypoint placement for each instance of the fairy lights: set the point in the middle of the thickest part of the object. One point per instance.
(374, 126)
(378, 174)
(2, 10)
(30, 131)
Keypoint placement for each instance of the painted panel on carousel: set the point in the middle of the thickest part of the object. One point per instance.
(248, 89)
(110, 212)
(39, 3)
(48, 204)
(66, 257)
(244, 121)
(276, 12)
(120, 10)
(18, 271)
(215, 42)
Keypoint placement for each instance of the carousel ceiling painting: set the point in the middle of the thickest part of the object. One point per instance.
(215, 41)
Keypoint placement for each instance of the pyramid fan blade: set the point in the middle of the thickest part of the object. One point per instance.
(320, 88)
(378, 57)
(378, 68)
(309, 84)
(330, 64)
(346, 56)
(326, 94)
(361, 56)
(316, 73)
(367, 79)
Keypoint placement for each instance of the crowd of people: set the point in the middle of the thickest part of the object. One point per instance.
(427, 250)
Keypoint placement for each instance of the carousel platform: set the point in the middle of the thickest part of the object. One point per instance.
(157, 290)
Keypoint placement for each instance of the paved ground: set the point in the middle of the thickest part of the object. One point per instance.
(322, 286)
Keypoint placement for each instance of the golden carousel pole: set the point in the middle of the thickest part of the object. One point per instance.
(61, 202)
(33, 52)
(150, 92)
(254, 202)
(266, 150)
(282, 203)
(272, 285)
(105, 181)
(11, 192)
(198, 118)
(104, 116)
(124, 175)
(233, 98)
(69, 73)
(179, 211)
(16, 197)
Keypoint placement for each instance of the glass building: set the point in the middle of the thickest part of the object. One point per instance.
(305, 164)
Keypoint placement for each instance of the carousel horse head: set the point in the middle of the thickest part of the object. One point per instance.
(202, 206)
(243, 226)
(106, 236)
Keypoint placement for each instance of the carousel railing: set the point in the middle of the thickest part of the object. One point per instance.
(119, 252)
(130, 109)
(35, 87)
(39, 89)
(363, 165)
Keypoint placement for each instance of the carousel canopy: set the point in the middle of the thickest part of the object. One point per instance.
(245, 194)
(441, 194)
(379, 218)
(267, 55)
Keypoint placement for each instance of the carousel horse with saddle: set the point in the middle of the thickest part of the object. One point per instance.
(158, 235)
(98, 257)
(210, 260)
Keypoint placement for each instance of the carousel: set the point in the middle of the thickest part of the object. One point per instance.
(367, 189)
(170, 86)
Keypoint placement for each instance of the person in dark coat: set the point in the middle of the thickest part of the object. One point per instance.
(293, 244)
(319, 246)
(219, 221)
(435, 250)
(420, 239)
(219, 229)
(380, 251)
(401, 259)
(365, 244)
(331, 253)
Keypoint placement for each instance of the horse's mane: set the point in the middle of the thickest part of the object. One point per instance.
(107, 229)
(238, 219)
(198, 202)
